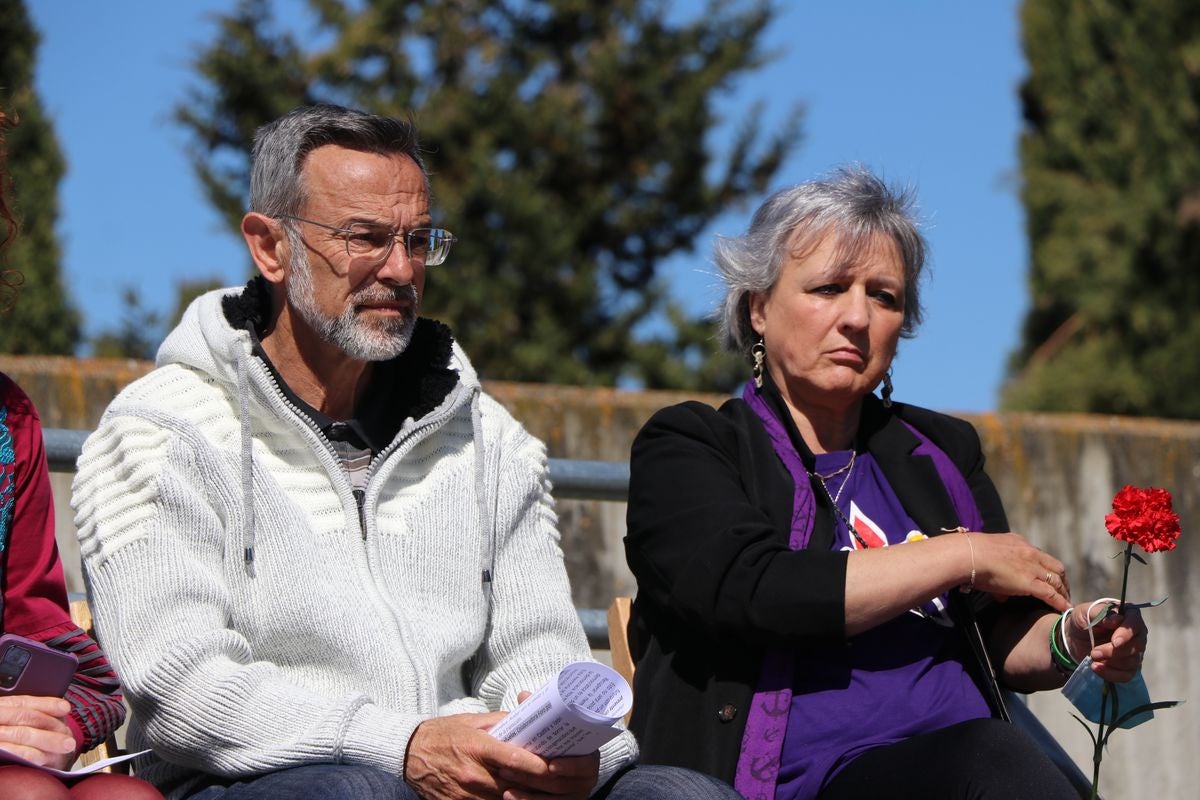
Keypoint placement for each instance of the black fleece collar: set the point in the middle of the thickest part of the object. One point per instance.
(410, 385)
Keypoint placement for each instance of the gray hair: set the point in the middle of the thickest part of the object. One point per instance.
(280, 147)
(851, 202)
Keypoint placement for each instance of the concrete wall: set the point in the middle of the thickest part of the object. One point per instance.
(1056, 473)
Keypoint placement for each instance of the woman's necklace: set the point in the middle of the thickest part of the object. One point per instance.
(833, 498)
(848, 469)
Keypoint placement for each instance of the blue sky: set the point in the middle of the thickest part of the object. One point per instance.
(922, 91)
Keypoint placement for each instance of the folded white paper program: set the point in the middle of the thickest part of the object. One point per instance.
(572, 714)
(9, 758)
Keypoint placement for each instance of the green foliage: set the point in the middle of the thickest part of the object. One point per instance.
(187, 291)
(42, 318)
(1111, 166)
(569, 148)
(141, 330)
(137, 335)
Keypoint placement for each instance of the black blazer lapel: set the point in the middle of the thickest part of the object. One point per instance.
(914, 478)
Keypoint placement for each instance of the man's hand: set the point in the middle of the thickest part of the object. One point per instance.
(454, 758)
(34, 729)
(570, 777)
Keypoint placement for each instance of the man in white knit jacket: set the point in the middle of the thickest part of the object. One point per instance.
(321, 559)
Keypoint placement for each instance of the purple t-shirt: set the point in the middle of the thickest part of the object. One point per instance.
(901, 678)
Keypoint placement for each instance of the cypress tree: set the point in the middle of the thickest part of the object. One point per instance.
(41, 318)
(1111, 166)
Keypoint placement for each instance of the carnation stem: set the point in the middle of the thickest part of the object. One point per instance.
(1098, 752)
(1125, 577)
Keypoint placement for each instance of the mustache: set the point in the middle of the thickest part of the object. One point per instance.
(387, 294)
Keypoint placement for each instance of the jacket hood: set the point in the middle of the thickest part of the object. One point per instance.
(204, 340)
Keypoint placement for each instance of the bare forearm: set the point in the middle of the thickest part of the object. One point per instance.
(1021, 646)
(884, 582)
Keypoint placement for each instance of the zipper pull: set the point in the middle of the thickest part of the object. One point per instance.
(360, 499)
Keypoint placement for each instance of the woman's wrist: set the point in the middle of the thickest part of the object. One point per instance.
(1061, 657)
(969, 585)
(965, 557)
(1076, 633)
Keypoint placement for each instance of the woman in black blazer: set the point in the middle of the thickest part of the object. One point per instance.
(818, 568)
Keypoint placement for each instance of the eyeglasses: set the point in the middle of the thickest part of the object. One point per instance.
(373, 243)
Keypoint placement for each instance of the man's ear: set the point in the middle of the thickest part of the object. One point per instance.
(267, 244)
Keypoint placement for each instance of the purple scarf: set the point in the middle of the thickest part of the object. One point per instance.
(766, 723)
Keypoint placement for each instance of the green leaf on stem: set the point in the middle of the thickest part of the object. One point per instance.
(1139, 710)
(1086, 727)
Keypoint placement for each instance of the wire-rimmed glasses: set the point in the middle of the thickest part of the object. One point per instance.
(373, 243)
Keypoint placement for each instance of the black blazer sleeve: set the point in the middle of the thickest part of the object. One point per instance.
(709, 517)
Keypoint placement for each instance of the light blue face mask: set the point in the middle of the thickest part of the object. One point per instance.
(1085, 690)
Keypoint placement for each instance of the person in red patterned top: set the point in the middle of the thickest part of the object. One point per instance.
(50, 731)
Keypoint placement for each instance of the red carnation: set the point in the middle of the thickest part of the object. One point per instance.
(1144, 517)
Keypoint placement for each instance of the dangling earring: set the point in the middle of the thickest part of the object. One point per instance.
(759, 351)
(887, 389)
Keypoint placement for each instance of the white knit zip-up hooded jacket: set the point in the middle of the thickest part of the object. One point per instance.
(258, 620)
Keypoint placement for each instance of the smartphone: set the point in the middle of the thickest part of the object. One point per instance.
(31, 668)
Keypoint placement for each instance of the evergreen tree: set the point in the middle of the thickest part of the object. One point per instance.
(1111, 167)
(137, 335)
(141, 330)
(188, 290)
(41, 318)
(569, 143)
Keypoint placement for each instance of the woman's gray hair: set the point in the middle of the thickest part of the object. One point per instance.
(850, 202)
(280, 147)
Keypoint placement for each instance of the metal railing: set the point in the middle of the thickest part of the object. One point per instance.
(577, 479)
(573, 479)
(63, 447)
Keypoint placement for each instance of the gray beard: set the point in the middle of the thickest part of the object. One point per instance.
(361, 339)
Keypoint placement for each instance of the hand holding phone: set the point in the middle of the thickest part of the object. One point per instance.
(28, 667)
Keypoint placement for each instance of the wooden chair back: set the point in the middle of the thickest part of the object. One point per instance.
(618, 639)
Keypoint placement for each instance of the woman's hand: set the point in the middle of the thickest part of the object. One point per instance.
(35, 729)
(1120, 640)
(1006, 565)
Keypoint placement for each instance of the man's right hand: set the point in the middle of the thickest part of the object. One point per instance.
(454, 758)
